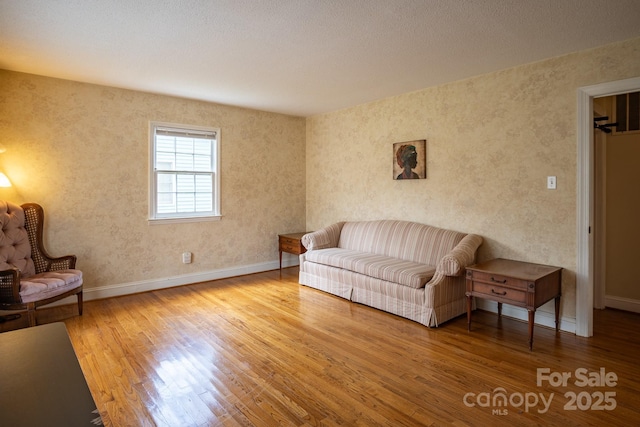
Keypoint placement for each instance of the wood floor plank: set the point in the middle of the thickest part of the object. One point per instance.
(262, 350)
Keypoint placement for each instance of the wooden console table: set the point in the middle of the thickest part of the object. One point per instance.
(41, 383)
(517, 283)
(291, 243)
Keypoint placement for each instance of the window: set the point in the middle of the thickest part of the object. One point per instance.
(184, 172)
(627, 112)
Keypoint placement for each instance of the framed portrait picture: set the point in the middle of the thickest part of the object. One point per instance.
(410, 159)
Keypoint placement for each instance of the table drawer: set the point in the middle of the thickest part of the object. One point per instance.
(292, 246)
(499, 280)
(293, 249)
(287, 241)
(500, 292)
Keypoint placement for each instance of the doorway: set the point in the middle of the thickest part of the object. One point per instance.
(585, 265)
(617, 150)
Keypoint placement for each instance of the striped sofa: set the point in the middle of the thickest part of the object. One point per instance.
(405, 268)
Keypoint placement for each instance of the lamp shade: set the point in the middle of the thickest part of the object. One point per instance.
(4, 181)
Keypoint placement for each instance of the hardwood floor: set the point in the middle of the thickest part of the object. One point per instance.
(261, 350)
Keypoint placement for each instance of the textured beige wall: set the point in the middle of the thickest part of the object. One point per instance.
(491, 142)
(81, 151)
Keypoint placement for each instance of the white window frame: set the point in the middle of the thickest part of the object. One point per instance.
(627, 113)
(165, 218)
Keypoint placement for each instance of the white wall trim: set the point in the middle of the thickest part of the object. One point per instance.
(621, 303)
(128, 288)
(542, 318)
(585, 197)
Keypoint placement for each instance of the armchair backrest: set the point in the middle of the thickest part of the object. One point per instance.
(15, 247)
(34, 224)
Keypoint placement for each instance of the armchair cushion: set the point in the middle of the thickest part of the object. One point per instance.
(49, 284)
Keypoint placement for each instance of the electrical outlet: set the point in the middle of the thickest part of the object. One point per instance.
(186, 257)
(551, 182)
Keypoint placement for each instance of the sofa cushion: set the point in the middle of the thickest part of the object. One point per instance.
(49, 284)
(407, 273)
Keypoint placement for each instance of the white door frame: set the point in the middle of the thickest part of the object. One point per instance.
(600, 212)
(585, 197)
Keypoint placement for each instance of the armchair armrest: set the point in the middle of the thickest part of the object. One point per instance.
(463, 255)
(62, 263)
(327, 237)
(10, 286)
(45, 262)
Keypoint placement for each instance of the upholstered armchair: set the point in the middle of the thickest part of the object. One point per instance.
(29, 276)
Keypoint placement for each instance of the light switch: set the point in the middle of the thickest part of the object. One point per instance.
(551, 182)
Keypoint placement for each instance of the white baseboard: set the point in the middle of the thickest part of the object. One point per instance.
(121, 289)
(543, 318)
(621, 303)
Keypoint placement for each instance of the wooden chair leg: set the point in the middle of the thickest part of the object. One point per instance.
(80, 303)
(31, 314)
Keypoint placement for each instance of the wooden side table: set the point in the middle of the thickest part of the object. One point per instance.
(517, 283)
(291, 243)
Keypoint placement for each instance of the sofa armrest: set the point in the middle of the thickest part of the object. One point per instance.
(327, 237)
(463, 255)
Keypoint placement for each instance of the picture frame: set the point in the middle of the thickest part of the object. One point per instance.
(410, 160)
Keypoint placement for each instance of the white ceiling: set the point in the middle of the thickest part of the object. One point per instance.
(299, 57)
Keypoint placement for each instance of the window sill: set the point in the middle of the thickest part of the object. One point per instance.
(161, 221)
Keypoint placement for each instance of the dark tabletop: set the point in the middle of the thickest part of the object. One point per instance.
(41, 383)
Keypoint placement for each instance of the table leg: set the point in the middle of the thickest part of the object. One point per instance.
(532, 315)
(499, 309)
(557, 313)
(280, 261)
(469, 304)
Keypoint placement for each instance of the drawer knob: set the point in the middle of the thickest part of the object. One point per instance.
(498, 281)
(498, 293)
